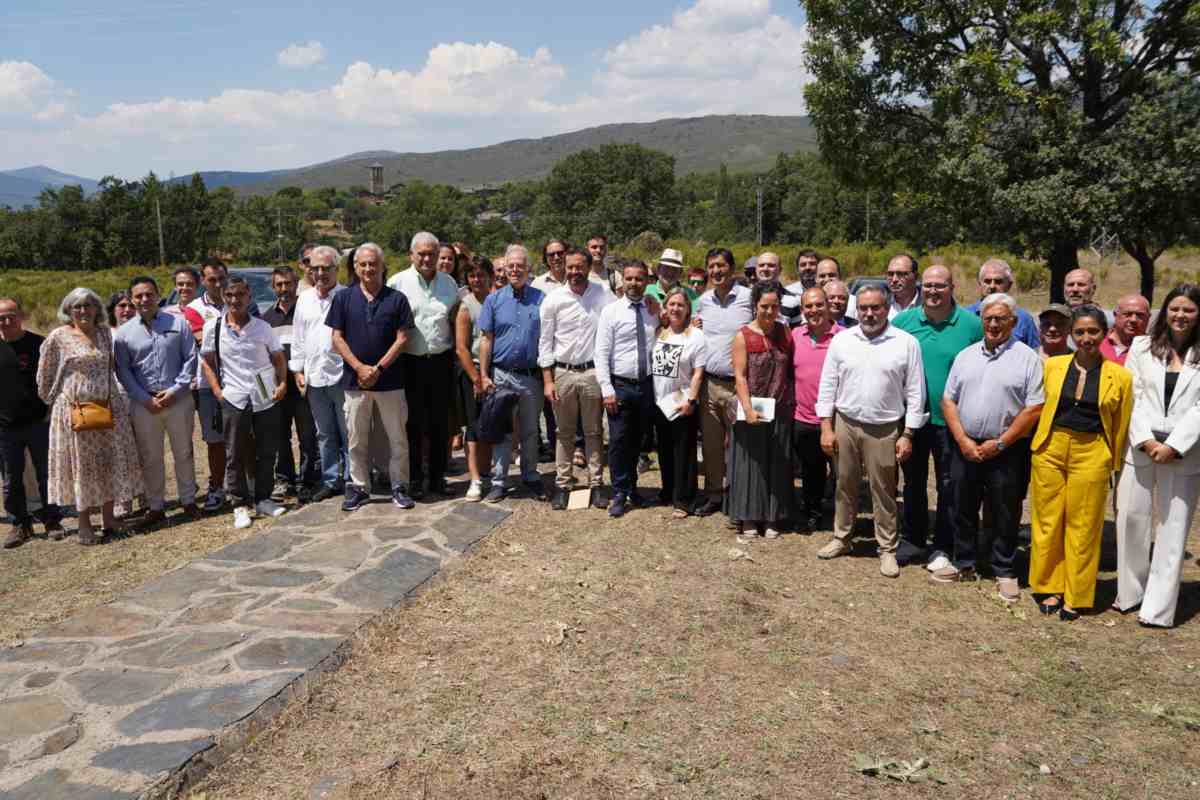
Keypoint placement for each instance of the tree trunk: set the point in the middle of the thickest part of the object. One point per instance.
(1064, 257)
(1145, 259)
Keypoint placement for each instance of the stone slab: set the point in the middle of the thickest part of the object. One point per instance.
(257, 549)
(468, 523)
(386, 584)
(56, 784)
(337, 622)
(342, 552)
(214, 610)
(60, 654)
(175, 590)
(391, 533)
(60, 740)
(311, 516)
(307, 604)
(40, 680)
(290, 652)
(207, 709)
(277, 577)
(7, 678)
(31, 715)
(150, 759)
(103, 622)
(181, 649)
(117, 686)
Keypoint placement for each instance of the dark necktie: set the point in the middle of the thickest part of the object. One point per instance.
(641, 341)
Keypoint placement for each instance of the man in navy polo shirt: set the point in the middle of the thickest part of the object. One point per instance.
(510, 322)
(370, 323)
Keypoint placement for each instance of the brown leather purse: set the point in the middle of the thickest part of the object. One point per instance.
(94, 416)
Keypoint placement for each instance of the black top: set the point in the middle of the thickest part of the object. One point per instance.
(1169, 388)
(276, 318)
(1081, 415)
(370, 330)
(19, 402)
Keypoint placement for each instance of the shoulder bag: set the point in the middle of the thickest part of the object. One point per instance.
(94, 416)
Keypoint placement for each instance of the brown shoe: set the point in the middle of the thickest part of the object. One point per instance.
(17, 536)
(55, 532)
(88, 538)
(951, 574)
(154, 517)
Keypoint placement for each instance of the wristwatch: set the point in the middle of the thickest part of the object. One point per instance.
(999, 445)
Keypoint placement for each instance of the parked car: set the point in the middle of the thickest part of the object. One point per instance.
(257, 278)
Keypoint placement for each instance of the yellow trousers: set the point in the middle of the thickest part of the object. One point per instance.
(1068, 492)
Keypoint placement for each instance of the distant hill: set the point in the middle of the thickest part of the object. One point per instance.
(21, 187)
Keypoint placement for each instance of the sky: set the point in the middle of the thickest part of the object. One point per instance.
(128, 86)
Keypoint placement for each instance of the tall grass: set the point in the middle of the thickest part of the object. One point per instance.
(41, 291)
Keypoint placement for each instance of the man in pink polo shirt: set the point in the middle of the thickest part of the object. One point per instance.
(811, 341)
(1132, 319)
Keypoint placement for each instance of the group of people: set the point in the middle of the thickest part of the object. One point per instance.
(383, 376)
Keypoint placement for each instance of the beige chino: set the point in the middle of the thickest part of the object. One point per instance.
(717, 395)
(578, 396)
(870, 450)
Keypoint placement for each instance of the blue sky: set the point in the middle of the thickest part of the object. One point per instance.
(126, 87)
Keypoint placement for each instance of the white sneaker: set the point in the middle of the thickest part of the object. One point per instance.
(241, 517)
(938, 560)
(269, 508)
(475, 491)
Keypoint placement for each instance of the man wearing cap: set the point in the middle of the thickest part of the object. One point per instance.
(1132, 319)
(669, 270)
(996, 276)
(1054, 327)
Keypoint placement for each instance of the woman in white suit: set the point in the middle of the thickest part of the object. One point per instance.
(1162, 465)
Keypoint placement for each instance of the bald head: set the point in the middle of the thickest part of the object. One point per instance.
(828, 270)
(1131, 318)
(1079, 287)
(767, 267)
(937, 286)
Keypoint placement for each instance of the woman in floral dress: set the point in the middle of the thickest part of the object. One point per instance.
(89, 469)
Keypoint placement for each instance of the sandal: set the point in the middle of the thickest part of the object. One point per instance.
(1046, 607)
(1067, 614)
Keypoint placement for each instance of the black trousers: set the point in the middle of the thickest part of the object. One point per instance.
(428, 381)
(1000, 482)
(929, 440)
(294, 411)
(13, 443)
(814, 464)
(677, 457)
(635, 412)
(251, 440)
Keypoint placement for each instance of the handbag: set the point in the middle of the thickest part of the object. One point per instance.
(92, 416)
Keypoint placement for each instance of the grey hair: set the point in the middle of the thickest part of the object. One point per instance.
(81, 295)
(996, 262)
(424, 237)
(873, 287)
(516, 248)
(1001, 298)
(371, 246)
(325, 251)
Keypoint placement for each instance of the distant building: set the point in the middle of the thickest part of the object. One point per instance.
(511, 217)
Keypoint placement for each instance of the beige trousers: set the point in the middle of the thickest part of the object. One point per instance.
(148, 430)
(578, 397)
(866, 449)
(393, 412)
(716, 396)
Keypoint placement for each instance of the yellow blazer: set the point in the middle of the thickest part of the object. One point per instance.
(1116, 403)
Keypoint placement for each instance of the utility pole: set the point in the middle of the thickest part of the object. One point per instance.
(868, 217)
(279, 231)
(759, 183)
(162, 250)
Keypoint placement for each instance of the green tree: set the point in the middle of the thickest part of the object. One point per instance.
(998, 105)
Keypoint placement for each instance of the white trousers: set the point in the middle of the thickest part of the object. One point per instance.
(393, 413)
(148, 430)
(1154, 584)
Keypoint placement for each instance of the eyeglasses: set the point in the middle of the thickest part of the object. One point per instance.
(996, 320)
(553, 253)
(696, 282)
(324, 268)
(9, 317)
(937, 287)
(84, 306)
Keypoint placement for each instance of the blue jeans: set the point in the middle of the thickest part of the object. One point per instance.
(332, 440)
(929, 440)
(529, 412)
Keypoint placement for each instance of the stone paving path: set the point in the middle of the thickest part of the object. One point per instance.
(132, 698)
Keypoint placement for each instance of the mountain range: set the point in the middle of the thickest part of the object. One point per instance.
(741, 142)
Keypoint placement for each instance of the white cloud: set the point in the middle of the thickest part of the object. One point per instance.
(713, 57)
(302, 55)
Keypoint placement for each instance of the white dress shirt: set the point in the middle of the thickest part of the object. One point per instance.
(897, 307)
(245, 356)
(616, 343)
(430, 302)
(569, 322)
(875, 381)
(548, 283)
(312, 340)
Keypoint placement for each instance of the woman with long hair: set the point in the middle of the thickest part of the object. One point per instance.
(120, 309)
(1162, 465)
(479, 278)
(90, 469)
(677, 366)
(1077, 446)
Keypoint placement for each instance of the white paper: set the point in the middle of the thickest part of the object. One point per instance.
(763, 406)
(670, 404)
(262, 394)
(579, 499)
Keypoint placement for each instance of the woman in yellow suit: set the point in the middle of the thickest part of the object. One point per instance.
(1079, 443)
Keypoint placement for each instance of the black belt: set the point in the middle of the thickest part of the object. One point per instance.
(715, 377)
(530, 372)
(629, 381)
(584, 367)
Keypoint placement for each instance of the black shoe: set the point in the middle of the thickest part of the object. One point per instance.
(707, 507)
(304, 494)
(416, 490)
(1067, 615)
(356, 498)
(440, 488)
(644, 463)
(637, 501)
(559, 503)
(323, 494)
(536, 490)
(596, 498)
(545, 454)
(617, 507)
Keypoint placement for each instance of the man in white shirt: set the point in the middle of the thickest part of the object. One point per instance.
(870, 400)
(246, 371)
(429, 364)
(806, 271)
(553, 259)
(624, 339)
(318, 370)
(566, 353)
(768, 269)
(598, 246)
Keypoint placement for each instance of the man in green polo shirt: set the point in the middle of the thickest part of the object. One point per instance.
(670, 268)
(943, 329)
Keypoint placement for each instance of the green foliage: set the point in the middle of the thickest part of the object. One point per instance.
(41, 291)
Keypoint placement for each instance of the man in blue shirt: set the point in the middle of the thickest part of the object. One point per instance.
(370, 325)
(996, 277)
(510, 322)
(155, 359)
